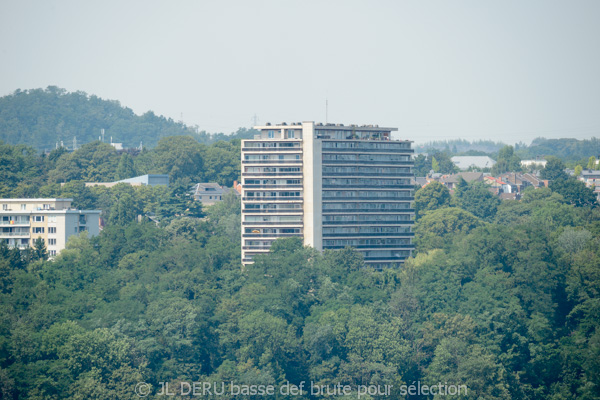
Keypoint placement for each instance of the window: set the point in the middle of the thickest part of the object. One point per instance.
(5, 207)
(46, 206)
(51, 242)
(271, 134)
(38, 229)
(51, 218)
(52, 253)
(23, 207)
(52, 229)
(38, 218)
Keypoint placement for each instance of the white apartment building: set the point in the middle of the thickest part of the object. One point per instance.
(22, 221)
(332, 185)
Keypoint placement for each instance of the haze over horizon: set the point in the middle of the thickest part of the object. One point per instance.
(507, 71)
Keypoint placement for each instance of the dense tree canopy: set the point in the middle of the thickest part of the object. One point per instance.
(431, 197)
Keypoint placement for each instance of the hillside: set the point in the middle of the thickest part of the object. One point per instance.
(42, 117)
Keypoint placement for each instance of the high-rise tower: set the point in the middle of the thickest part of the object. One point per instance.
(332, 185)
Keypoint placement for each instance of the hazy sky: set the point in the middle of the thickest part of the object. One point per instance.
(500, 70)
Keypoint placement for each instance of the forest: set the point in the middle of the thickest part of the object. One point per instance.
(44, 117)
(567, 149)
(503, 297)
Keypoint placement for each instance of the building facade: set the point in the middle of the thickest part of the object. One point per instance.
(332, 185)
(210, 193)
(22, 221)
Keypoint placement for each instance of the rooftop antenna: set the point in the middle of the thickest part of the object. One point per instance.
(254, 120)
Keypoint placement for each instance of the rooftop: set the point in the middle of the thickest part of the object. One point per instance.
(320, 125)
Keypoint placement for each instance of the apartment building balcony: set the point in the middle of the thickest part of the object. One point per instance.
(14, 223)
(272, 162)
(15, 234)
(277, 174)
(327, 150)
(285, 224)
(272, 149)
(367, 223)
(281, 186)
(369, 235)
(370, 210)
(258, 199)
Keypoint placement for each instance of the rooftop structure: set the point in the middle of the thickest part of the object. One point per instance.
(142, 180)
(210, 193)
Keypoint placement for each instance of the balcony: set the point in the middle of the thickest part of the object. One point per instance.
(258, 199)
(12, 234)
(278, 162)
(15, 223)
(272, 149)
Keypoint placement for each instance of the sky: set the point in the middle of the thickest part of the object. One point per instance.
(505, 71)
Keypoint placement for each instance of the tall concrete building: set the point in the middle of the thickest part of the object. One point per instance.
(332, 185)
(53, 220)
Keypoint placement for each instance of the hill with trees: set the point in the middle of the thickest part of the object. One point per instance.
(43, 117)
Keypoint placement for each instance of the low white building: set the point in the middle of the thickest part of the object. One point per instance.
(540, 163)
(466, 162)
(22, 221)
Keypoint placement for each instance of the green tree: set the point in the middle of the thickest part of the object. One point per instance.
(178, 156)
(435, 166)
(574, 192)
(422, 165)
(554, 169)
(431, 197)
(437, 228)
(125, 169)
(591, 163)
(507, 161)
(476, 198)
(39, 250)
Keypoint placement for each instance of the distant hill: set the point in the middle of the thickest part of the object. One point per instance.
(458, 146)
(566, 149)
(42, 117)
